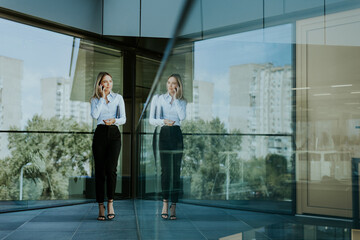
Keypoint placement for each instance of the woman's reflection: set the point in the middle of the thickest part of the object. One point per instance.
(168, 110)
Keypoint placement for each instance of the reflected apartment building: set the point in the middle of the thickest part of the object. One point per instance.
(201, 106)
(11, 76)
(260, 104)
(56, 101)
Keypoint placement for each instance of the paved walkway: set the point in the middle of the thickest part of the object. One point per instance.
(140, 219)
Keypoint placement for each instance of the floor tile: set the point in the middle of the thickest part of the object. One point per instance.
(216, 234)
(170, 234)
(49, 226)
(57, 218)
(104, 234)
(258, 221)
(194, 222)
(4, 233)
(10, 225)
(211, 217)
(34, 235)
(222, 226)
(4, 218)
(98, 226)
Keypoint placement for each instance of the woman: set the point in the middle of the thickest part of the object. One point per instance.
(109, 110)
(170, 111)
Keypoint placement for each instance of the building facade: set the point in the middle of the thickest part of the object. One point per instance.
(11, 77)
(261, 103)
(56, 101)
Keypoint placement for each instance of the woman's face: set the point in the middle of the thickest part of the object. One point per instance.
(107, 83)
(171, 85)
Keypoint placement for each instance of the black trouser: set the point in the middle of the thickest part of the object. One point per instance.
(106, 149)
(171, 150)
(155, 143)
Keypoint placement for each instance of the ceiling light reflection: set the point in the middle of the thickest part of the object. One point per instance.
(344, 85)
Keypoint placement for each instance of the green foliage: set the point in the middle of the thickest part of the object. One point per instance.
(278, 181)
(254, 179)
(54, 158)
(205, 153)
(210, 154)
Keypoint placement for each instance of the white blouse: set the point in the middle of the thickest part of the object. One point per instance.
(161, 108)
(115, 108)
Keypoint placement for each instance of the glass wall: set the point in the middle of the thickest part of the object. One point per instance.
(238, 132)
(46, 82)
(272, 107)
(230, 155)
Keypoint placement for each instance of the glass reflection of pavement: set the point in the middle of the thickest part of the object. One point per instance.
(140, 219)
(213, 223)
(288, 231)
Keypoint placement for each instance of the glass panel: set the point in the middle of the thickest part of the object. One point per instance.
(265, 98)
(223, 175)
(46, 166)
(146, 69)
(46, 82)
(49, 74)
(237, 135)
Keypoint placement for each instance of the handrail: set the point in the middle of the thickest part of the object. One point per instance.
(50, 132)
(230, 134)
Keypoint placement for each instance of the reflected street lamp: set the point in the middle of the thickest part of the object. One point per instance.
(21, 178)
(227, 168)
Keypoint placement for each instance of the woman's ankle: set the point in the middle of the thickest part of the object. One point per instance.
(110, 206)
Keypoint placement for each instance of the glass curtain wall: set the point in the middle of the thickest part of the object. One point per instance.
(272, 114)
(238, 131)
(46, 82)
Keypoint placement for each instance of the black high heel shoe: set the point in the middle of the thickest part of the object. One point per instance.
(165, 215)
(101, 217)
(172, 211)
(110, 216)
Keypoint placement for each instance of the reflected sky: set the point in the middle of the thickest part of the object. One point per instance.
(47, 54)
(214, 57)
(44, 54)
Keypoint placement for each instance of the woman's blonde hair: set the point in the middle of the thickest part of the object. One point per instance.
(100, 76)
(178, 79)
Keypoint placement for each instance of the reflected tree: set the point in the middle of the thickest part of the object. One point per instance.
(204, 160)
(212, 163)
(54, 158)
(278, 180)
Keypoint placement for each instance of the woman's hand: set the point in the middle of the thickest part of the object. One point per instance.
(110, 121)
(168, 122)
(101, 91)
(176, 94)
